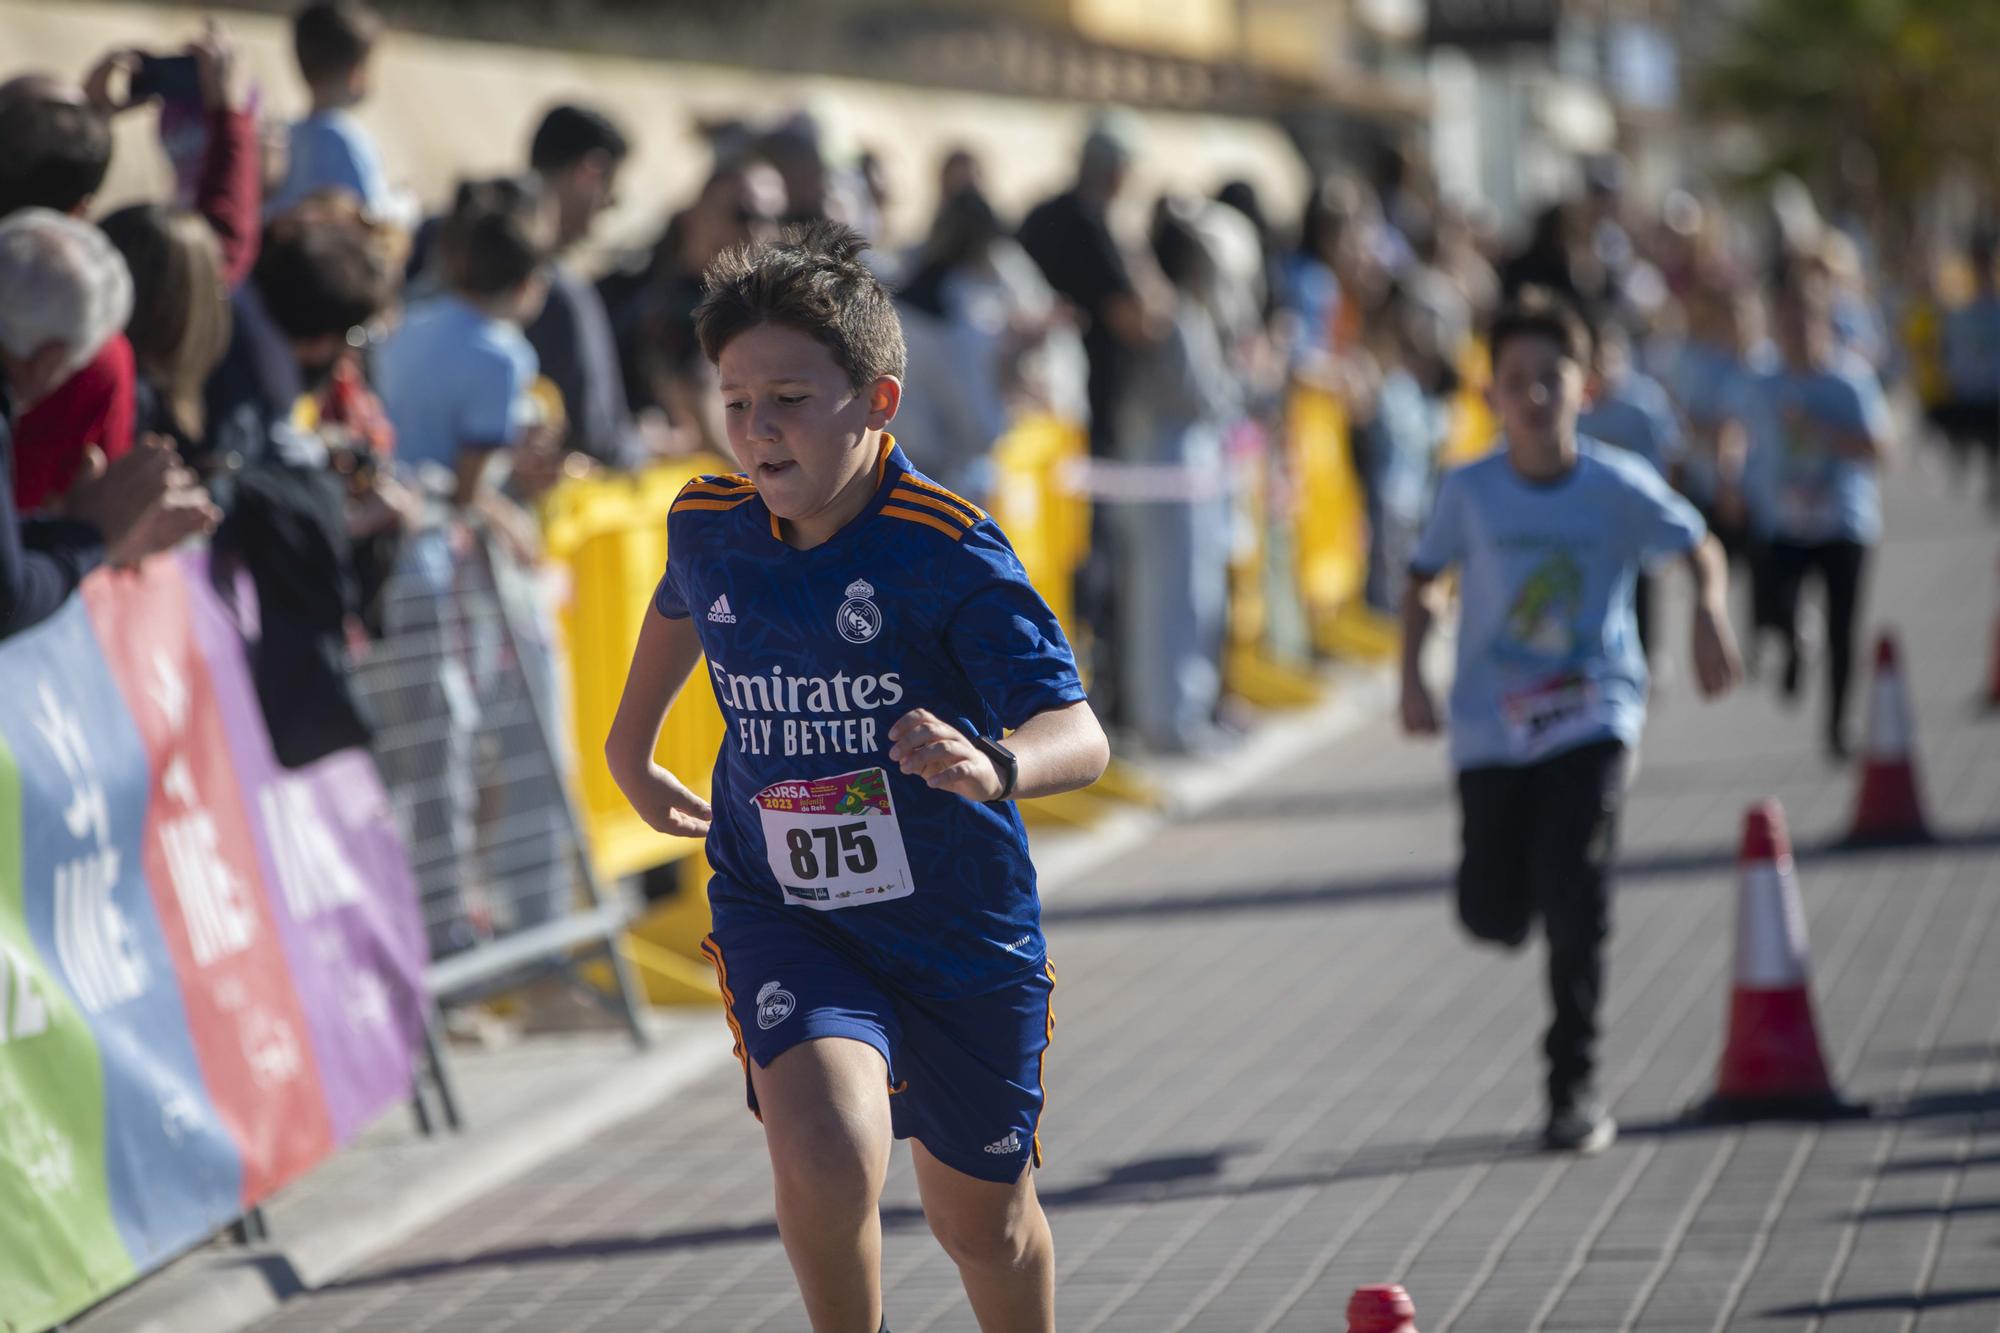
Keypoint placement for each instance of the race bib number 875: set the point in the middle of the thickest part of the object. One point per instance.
(833, 842)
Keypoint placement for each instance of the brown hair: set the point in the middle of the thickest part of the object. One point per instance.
(1537, 312)
(810, 279)
(499, 232)
(180, 306)
(331, 37)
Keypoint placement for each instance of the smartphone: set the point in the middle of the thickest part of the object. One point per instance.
(169, 78)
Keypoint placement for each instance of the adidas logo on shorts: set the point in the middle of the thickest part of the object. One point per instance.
(1010, 1144)
(720, 613)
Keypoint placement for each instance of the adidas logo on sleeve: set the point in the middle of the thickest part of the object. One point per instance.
(719, 613)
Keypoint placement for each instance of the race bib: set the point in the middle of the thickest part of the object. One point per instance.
(1548, 712)
(1808, 507)
(833, 842)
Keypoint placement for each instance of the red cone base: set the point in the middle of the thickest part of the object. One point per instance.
(1888, 813)
(1383, 1309)
(1772, 1068)
(1993, 676)
(1888, 810)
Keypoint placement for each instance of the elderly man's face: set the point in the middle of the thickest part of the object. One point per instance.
(35, 376)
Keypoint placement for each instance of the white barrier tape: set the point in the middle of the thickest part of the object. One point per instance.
(1108, 481)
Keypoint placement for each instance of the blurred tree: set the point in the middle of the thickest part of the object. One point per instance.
(1881, 98)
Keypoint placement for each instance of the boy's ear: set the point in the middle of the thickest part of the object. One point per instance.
(884, 397)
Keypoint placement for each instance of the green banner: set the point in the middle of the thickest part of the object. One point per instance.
(56, 1229)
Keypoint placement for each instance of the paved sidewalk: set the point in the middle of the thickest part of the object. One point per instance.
(1281, 1071)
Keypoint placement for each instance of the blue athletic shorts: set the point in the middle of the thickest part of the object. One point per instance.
(965, 1075)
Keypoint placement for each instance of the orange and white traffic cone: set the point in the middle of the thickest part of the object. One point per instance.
(1888, 810)
(1771, 1065)
(1383, 1309)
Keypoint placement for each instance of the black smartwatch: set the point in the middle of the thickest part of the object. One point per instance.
(1004, 761)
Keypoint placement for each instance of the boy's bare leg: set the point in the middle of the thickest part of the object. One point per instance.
(999, 1238)
(826, 1122)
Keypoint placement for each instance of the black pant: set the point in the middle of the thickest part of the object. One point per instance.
(1840, 565)
(1539, 841)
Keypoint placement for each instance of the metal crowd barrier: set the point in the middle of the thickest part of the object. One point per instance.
(464, 692)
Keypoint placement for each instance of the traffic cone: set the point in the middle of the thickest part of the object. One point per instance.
(1888, 810)
(1993, 668)
(1383, 1309)
(1771, 1066)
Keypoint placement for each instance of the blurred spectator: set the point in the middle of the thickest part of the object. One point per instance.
(316, 519)
(180, 317)
(334, 41)
(1175, 573)
(1970, 414)
(979, 318)
(576, 154)
(457, 378)
(68, 367)
(67, 292)
(960, 169)
(740, 203)
(1557, 257)
(54, 150)
(1070, 237)
(1405, 430)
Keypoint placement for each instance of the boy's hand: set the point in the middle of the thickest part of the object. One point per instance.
(666, 804)
(926, 746)
(1718, 668)
(1420, 717)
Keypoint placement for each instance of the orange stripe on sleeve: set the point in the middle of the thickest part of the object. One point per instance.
(910, 497)
(912, 479)
(702, 502)
(702, 486)
(928, 520)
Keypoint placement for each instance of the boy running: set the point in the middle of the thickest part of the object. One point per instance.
(869, 637)
(1549, 533)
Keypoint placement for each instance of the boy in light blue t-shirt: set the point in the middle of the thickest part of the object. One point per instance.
(1549, 533)
(334, 40)
(1818, 427)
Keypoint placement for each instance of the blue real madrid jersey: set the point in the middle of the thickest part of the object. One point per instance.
(919, 602)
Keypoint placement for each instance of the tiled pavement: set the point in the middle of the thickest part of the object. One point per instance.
(1281, 1071)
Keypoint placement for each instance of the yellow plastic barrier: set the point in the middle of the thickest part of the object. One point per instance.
(610, 536)
(1332, 532)
(1473, 428)
(1046, 518)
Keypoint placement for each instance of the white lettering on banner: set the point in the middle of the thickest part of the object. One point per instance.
(27, 1015)
(48, 1160)
(93, 938)
(87, 814)
(313, 871)
(169, 691)
(219, 921)
(270, 1046)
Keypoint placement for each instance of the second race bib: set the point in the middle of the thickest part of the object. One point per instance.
(833, 842)
(1548, 712)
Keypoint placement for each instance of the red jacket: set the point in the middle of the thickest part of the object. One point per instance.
(93, 406)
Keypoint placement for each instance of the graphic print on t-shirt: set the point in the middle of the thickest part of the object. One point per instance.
(1541, 623)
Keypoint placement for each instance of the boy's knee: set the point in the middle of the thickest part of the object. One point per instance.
(1004, 1239)
(1493, 914)
(828, 1158)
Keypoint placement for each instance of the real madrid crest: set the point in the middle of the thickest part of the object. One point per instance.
(859, 619)
(774, 1004)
